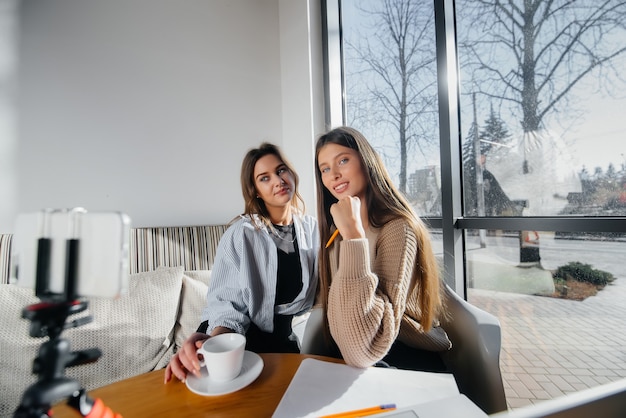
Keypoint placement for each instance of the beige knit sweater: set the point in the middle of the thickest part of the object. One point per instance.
(368, 305)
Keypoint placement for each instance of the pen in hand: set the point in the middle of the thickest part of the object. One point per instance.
(332, 238)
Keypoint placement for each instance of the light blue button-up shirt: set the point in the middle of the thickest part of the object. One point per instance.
(243, 279)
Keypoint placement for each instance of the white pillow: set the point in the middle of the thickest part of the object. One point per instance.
(193, 301)
(134, 334)
(17, 348)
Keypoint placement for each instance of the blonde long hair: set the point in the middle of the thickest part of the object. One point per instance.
(385, 203)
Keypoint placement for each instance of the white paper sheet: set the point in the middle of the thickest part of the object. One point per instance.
(322, 388)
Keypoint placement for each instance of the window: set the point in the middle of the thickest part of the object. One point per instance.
(521, 172)
(391, 92)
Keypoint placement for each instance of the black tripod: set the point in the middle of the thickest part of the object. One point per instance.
(48, 318)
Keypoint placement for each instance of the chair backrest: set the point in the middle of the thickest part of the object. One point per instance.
(313, 339)
(192, 247)
(474, 358)
(5, 257)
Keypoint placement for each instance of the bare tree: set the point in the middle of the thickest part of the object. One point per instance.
(395, 68)
(532, 53)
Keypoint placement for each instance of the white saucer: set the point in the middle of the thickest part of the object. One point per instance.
(250, 370)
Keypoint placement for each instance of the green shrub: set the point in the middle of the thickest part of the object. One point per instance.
(584, 273)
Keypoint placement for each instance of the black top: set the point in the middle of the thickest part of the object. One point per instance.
(288, 286)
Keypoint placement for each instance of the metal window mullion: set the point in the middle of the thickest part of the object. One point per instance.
(546, 223)
(450, 148)
(334, 85)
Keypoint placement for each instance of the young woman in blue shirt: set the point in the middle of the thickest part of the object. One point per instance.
(265, 269)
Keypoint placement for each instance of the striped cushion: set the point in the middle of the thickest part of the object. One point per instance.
(5, 257)
(192, 247)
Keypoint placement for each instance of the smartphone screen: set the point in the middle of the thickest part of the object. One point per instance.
(102, 257)
(103, 267)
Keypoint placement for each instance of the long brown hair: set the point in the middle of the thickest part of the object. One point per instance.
(385, 203)
(254, 205)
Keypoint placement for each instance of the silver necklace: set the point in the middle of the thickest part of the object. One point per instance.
(280, 233)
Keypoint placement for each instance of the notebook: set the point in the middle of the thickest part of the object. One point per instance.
(321, 388)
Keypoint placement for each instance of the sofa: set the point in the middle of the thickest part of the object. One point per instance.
(169, 273)
(137, 333)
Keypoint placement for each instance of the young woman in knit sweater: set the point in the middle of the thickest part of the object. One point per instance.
(379, 280)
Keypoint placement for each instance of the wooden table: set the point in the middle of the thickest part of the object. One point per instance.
(147, 396)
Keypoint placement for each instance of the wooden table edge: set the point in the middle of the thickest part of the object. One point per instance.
(147, 395)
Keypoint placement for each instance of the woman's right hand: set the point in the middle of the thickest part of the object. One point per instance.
(186, 360)
(346, 214)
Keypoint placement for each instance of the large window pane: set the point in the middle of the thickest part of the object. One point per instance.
(496, 266)
(542, 99)
(562, 330)
(542, 135)
(391, 91)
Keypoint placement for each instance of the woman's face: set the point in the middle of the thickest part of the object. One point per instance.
(274, 183)
(341, 171)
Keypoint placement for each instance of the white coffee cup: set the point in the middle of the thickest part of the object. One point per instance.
(222, 356)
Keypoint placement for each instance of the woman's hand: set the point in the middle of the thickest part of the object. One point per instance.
(186, 360)
(346, 215)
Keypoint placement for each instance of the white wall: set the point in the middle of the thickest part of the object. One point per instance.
(8, 136)
(148, 106)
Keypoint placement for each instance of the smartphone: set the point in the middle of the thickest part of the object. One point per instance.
(94, 246)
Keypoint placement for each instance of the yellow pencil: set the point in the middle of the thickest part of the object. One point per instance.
(363, 412)
(332, 238)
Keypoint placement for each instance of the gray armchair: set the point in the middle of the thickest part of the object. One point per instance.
(474, 359)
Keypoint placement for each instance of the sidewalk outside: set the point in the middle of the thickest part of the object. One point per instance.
(552, 347)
